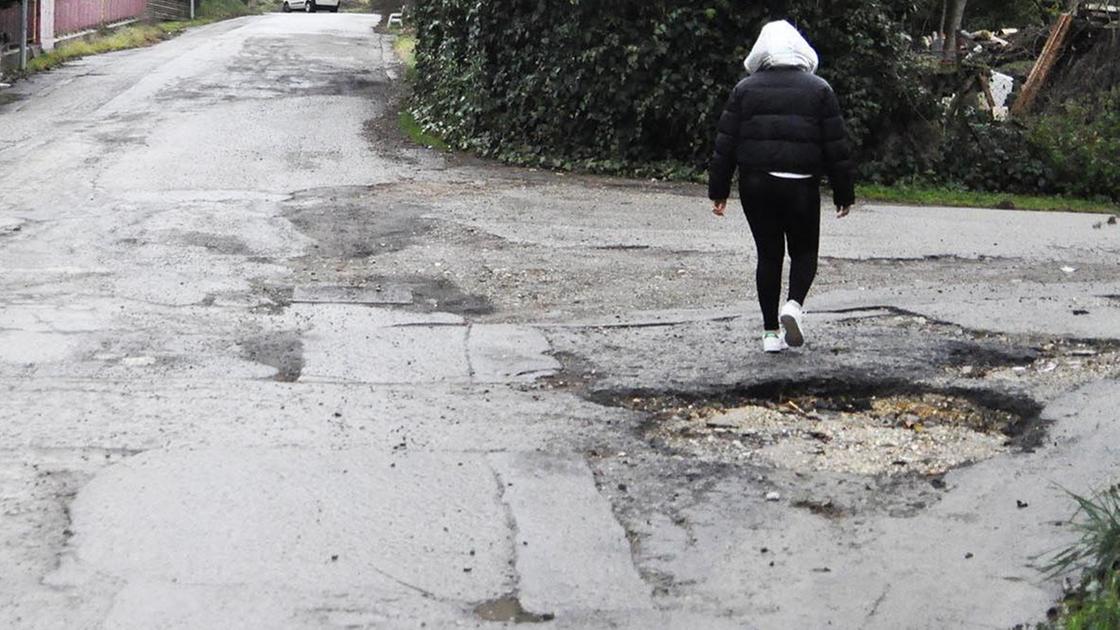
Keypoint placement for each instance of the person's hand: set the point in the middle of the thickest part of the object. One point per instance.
(842, 211)
(719, 207)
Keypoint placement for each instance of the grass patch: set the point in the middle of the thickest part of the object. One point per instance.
(121, 39)
(136, 35)
(1098, 611)
(945, 196)
(1095, 605)
(405, 47)
(418, 134)
(1097, 522)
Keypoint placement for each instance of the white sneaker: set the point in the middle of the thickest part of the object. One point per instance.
(773, 342)
(791, 321)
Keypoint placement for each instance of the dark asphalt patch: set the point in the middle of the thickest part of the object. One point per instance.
(277, 298)
(217, 243)
(984, 358)
(281, 350)
(7, 98)
(825, 508)
(274, 67)
(353, 222)
(440, 294)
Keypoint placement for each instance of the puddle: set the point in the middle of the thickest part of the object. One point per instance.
(855, 430)
(508, 609)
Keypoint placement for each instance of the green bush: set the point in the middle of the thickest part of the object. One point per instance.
(637, 84)
(1081, 140)
(1074, 151)
(970, 151)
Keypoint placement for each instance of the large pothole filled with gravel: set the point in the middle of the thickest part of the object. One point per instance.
(886, 433)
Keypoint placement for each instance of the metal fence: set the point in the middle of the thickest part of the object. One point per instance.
(169, 9)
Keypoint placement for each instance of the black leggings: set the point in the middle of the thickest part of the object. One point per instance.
(782, 211)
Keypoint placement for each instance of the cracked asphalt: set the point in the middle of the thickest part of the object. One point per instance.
(265, 365)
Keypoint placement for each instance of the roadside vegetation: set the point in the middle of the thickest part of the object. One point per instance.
(405, 47)
(908, 194)
(121, 39)
(136, 35)
(357, 6)
(1095, 603)
(634, 89)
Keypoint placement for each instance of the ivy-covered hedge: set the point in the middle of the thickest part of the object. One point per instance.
(636, 85)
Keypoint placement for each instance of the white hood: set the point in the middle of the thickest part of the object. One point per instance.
(780, 45)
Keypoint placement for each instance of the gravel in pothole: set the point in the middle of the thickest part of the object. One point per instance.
(923, 433)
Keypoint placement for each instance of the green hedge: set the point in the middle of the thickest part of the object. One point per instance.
(635, 87)
(637, 84)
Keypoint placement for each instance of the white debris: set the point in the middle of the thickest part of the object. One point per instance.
(773, 496)
(1001, 86)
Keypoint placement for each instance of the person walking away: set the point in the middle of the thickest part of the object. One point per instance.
(783, 129)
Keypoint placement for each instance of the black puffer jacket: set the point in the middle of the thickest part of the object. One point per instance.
(785, 120)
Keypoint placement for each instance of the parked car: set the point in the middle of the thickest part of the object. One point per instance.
(311, 6)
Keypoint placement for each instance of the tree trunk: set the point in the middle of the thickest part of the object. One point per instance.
(953, 17)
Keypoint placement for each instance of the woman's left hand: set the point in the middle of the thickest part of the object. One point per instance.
(719, 207)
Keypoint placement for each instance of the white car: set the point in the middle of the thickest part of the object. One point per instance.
(311, 6)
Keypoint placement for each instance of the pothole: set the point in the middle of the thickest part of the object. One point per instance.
(856, 429)
(508, 609)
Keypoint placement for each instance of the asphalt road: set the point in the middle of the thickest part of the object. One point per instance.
(264, 365)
